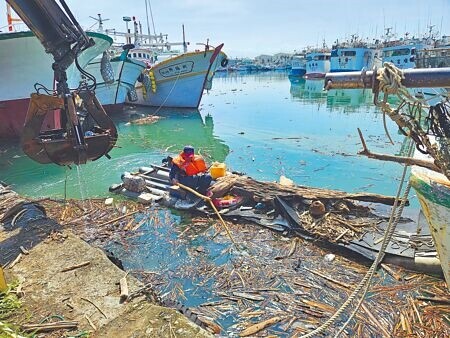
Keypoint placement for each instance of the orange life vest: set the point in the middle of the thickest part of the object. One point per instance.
(194, 166)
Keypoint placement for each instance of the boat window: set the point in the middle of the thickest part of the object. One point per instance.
(349, 53)
(396, 52)
(134, 55)
(129, 55)
(140, 55)
(334, 52)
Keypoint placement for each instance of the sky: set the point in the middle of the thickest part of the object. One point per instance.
(252, 27)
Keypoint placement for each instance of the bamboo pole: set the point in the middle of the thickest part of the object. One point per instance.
(206, 198)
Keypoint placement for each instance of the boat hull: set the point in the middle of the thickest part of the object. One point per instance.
(433, 192)
(24, 63)
(181, 80)
(317, 64)
(113, 95)
(299, 72)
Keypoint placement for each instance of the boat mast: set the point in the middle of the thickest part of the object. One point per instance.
(148, 6)
(10, 18)
(184, 41)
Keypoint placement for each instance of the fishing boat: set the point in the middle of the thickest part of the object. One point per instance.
(113, 91)
(172, 78)
(298, 66)
(433, 191)
(25, 63)
(317, 63)
(403, 52)
(436, 57)
(353, 55)
(178, 80)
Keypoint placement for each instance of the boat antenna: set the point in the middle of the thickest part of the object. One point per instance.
(100, 22)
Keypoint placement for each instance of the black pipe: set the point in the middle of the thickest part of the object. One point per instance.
(413, 78)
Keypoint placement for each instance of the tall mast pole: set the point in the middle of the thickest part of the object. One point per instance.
(151, 15)
(148, 23)
(184, 42)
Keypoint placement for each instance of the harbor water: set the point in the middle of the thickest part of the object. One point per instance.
(259, 124)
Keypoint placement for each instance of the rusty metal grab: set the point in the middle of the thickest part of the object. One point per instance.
(75, 143)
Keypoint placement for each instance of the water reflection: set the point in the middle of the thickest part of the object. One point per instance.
(175, 128)
(311, 91)
(350, 99)
(276, 76)
(308, 91)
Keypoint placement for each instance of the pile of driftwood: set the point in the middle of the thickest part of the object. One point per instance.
(331, 215)
(96, 221)
(283, 287)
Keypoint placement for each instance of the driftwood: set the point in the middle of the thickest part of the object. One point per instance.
(267, 191)
(399, 159)
(259, 326)
(73, 267)
(123, 289)
(391, 272)
(95, 305)
(45, 327)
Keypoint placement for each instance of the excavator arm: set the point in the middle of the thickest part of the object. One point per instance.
(77, 142)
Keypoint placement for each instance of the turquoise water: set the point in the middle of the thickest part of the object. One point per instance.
(260, 124)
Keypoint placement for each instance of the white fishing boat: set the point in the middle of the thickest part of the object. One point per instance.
(113, 90)
(172, 78)
(436, 57)
(354, 55)
(433, 191)
(26, 67)
(177, 81)
(403, 52)
(317, 63)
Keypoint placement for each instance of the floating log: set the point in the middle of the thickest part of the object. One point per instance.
(266, 191)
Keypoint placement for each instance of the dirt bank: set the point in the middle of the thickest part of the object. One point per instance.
(89, 295)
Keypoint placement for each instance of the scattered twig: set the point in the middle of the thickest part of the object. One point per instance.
(90, 301)
(76, 266)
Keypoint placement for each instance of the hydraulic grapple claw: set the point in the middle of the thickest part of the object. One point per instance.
(84, 137)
